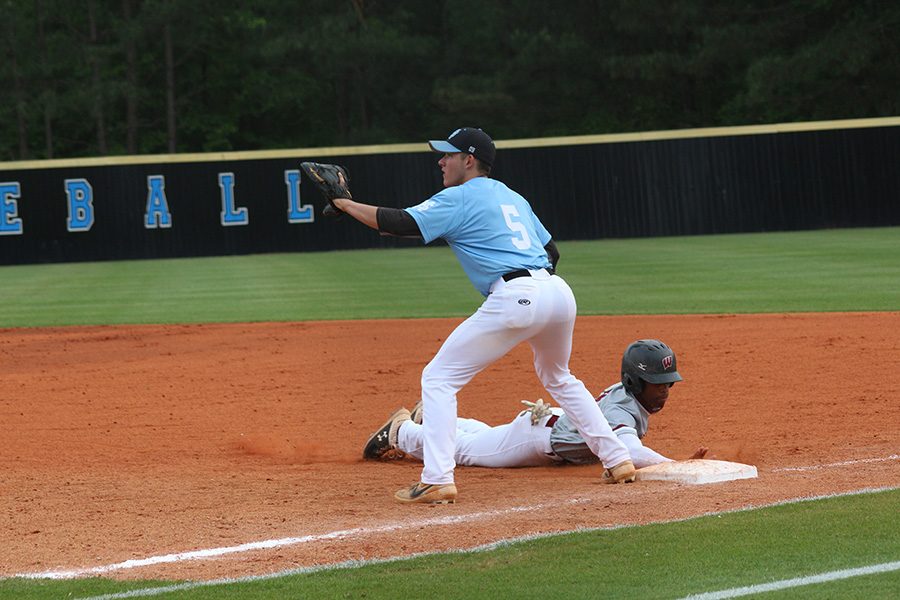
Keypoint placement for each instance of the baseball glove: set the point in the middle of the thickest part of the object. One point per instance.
(538, 410)
(332, 181)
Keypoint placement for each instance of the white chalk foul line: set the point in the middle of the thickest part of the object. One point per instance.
(720, 595)
(796, 582)
(282, 542)
(349, 564)
(155, 591)
(844, 463)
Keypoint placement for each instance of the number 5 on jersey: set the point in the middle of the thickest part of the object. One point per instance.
(521, 241)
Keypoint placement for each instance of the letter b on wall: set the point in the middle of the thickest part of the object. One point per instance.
(80, 196)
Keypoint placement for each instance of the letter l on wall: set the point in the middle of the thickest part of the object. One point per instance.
(230, 216)
(297, 213)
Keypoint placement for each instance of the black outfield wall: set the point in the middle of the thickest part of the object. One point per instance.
(765, 178)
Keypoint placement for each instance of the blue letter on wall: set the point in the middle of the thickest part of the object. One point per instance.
(81, 205)
(157, 215)
(10, 224)
(297, 213)
(229, 215)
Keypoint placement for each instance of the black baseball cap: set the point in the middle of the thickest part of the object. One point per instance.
(470, 140)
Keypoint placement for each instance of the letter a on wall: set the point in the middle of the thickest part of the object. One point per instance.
(157, 215)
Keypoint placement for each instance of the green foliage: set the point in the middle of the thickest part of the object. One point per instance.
(829, 57)
(92, 78)
(831, 270)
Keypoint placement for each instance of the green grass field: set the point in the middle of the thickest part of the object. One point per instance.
(834, 270)
(666, 560)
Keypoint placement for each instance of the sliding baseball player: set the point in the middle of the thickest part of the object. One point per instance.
(543, 435)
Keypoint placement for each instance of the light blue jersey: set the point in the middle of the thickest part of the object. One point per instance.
(491, 229)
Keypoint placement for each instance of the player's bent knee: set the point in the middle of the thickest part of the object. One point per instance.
(441, 381)
(557, 382)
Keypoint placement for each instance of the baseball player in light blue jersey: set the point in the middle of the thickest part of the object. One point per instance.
(544, 435)
(510, 257)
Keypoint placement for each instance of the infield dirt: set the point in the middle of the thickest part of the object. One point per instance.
(123, 443)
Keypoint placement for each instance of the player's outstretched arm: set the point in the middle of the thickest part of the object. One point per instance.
(390, 221)
(641, 455)
(364, 213)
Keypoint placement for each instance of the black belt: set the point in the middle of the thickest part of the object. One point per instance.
(523, 273)
(552, 421)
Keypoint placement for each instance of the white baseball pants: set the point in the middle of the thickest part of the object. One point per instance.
(540, 310)
(515, 444)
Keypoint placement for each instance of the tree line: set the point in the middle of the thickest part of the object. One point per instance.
(111, 77)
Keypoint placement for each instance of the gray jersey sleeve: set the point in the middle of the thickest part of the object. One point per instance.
(620, 419)
(624, 414)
